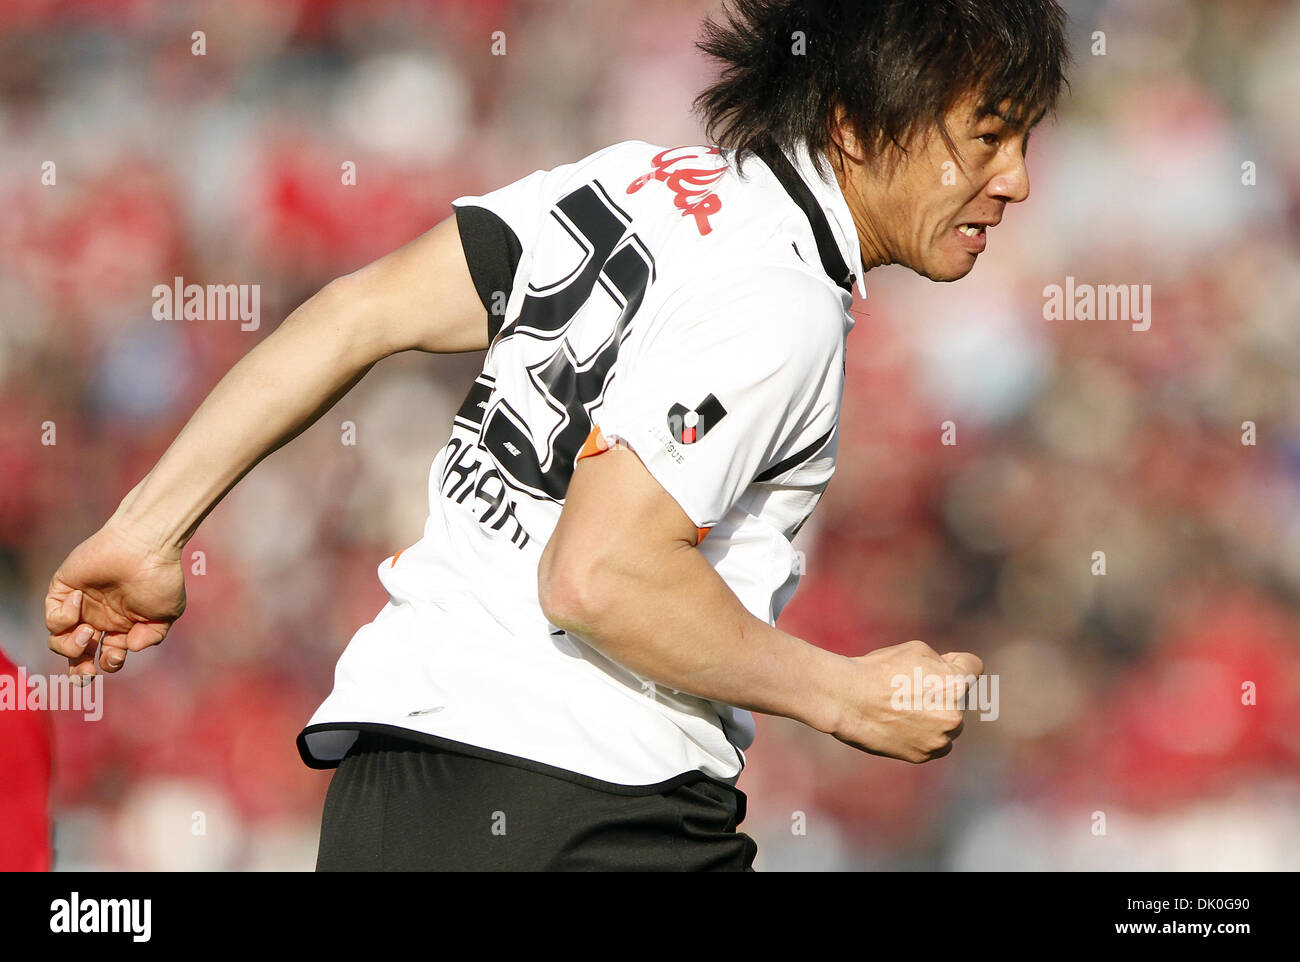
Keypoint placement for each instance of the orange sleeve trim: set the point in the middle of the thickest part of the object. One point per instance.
(595, 444)
(398, 555)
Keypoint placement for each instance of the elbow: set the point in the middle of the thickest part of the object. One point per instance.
(561, 605)
(346, 307)
(570, 594)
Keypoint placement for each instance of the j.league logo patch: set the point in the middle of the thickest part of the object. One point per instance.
(688, 425)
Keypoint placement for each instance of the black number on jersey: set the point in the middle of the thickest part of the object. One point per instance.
(612, 279)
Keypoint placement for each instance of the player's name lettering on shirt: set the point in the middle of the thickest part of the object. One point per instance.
(468, 472)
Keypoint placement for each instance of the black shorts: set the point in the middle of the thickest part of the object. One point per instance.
(400, 805)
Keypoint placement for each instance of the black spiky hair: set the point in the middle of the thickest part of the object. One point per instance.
(894, 66)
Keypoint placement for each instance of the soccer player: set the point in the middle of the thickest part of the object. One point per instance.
(564, 675)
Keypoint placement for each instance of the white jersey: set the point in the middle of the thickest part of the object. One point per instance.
(654, 296)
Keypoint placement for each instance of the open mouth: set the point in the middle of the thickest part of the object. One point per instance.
(974, 237)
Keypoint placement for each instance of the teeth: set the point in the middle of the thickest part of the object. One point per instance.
(970, 230)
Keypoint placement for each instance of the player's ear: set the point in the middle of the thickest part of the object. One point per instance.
(844, 136)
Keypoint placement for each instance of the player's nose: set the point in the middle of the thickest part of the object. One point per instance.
(1012, 182)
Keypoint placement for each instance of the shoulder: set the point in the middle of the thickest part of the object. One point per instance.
(774, 309)
(764, 295)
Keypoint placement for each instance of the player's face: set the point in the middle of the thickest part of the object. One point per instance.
(935, 211)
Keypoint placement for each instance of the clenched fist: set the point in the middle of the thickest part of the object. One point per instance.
(115, 593)
(874, 720)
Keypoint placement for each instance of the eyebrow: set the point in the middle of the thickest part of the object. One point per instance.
(1011, 121)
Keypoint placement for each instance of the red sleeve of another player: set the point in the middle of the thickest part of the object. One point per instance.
(24, 802)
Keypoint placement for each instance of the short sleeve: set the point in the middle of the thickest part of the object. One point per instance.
(495, 231)
(730, 381)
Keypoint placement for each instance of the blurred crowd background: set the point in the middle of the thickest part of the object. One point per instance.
(1119, 694)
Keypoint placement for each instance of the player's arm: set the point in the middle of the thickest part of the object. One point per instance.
(126, 580)
(418, 297)
(622, 572)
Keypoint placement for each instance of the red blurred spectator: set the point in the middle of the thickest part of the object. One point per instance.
(25, 843)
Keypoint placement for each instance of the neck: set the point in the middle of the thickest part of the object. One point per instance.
(874, 253)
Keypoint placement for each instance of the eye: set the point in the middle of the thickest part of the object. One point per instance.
(989, 139)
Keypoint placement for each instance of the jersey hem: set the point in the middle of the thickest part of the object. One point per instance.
(311, 760)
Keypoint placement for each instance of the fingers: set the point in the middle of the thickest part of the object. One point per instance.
(917, 646)
(116, 644)
(967, 667)
(940, 753)
(90, 651)
(62, 614)
(919, 756)
(71, 644)
(82, 664)
(938, 746)
(69, 636)
(145, 634)
(112, 652)
(964, 660)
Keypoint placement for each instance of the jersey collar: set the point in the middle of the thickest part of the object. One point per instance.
(823, 202)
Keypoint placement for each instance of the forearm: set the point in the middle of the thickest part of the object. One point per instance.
(675, 621)
(273, 394)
